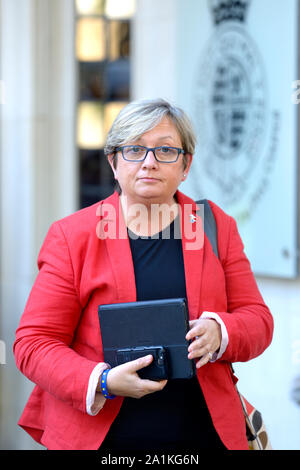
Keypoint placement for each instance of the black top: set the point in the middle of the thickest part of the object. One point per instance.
(176, 417)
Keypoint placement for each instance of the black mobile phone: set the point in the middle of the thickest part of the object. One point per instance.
(157, 370)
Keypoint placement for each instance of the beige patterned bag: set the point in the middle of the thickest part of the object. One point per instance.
(257, 435)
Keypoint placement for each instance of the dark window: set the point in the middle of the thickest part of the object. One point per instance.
(102, 46)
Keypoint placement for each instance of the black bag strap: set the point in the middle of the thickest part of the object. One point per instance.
(210, 226)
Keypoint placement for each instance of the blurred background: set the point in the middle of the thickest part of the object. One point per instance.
(67, 67)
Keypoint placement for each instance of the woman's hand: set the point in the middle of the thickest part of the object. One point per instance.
(123, 380)
(206, 335)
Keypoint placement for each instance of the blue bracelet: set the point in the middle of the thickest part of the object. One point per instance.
(104, 385)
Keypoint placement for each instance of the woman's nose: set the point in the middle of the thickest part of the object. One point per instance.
(150, 160)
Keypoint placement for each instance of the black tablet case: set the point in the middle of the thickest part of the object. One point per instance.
(148, 323)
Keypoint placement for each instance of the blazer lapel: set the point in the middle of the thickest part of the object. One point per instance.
(192, 234)
(112, 228)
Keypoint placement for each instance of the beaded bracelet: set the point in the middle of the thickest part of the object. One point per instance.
(104, 385)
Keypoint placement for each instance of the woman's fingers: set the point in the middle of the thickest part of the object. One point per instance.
(123, 380)
(205, 335)
(197, 328)
(139, 363)
(199, 348)
(204, 360)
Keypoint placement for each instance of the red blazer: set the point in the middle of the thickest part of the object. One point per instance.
(58, 341)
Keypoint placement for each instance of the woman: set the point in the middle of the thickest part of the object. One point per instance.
(114, 252)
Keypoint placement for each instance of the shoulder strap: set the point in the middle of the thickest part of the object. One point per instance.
(210, 226)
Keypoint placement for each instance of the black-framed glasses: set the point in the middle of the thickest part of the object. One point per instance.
(138, 153)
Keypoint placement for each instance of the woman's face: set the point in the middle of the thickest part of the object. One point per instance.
(151, 181)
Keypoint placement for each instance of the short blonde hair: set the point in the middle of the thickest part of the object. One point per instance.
(139, 117)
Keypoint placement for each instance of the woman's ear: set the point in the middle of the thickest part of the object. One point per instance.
(188, 161)
(111, 157)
